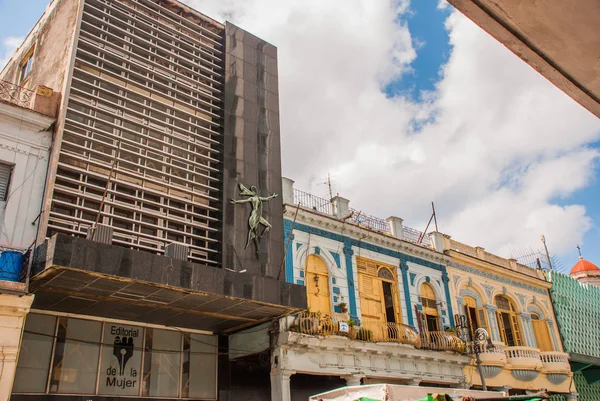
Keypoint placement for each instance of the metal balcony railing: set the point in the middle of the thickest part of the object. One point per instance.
(388, 332)
(12, 262)
(316, 323)
(15, 94)
(442, 341)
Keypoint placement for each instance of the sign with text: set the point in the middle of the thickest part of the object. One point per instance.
(121, 360)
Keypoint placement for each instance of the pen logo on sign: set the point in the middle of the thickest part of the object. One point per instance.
(123, 351)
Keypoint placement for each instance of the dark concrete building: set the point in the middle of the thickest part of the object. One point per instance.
(160, 233)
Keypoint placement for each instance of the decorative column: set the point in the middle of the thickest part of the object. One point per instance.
(491, 312)
(280, 385)
(528, 329)
(13, 309)
(446, 280)
(348, 253)
(353, 380)
(550, 323)
(409, 316)
(461, 306)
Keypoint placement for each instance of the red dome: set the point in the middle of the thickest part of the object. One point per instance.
(583, 266)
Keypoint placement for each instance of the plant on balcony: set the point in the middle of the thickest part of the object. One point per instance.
(343, 307)
(363, 334)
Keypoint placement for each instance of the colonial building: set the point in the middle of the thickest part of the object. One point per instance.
(379, 303)
(511, 302)
(577, 304)
(161, 227)
(26, 117)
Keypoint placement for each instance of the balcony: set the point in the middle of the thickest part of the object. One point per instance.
(493, 359)
(15, 94)
(337, 324)
(525, 362)
(442, 341)
(391, 333)
(556, 365)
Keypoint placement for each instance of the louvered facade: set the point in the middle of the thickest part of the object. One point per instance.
(143, 129)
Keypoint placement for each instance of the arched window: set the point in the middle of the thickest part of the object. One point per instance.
(317, 285)
(542, 333)
(379, 300)
(476, 316)
(508, 323)
(430, 310)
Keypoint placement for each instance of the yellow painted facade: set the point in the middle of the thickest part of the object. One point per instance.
(512, 303)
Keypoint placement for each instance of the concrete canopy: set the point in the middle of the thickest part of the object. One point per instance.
(557, 38)
(74, 275)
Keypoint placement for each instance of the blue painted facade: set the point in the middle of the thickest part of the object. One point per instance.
(329, 246)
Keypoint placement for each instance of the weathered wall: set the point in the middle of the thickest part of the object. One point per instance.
(13, 309)
(52, 37)
(25, 144)
(252, 151)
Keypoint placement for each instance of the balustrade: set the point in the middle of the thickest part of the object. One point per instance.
(524, 358)
(388, 332)
(442, 341)
(555, 362)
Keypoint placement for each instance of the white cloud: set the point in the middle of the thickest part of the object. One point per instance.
(8, 46)
(497, 144)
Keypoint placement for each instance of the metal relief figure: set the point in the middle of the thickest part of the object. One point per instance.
(255, 220)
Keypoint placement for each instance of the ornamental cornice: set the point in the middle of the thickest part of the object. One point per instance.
(334, 229)
(531, 275)
(498, 278)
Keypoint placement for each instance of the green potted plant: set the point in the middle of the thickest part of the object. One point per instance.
(343, 307)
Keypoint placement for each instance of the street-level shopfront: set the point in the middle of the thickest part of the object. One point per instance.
(73, 355)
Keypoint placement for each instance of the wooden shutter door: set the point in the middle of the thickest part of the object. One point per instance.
(542, 335)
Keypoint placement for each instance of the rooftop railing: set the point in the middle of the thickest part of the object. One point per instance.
(15, 94)
(313, 202)
(324, 206)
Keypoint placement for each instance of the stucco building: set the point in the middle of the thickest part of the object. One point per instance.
(26, 118)
(144, 266)
(378, 300)
(512, 303)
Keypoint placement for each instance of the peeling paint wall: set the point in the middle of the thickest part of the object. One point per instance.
(52, 37)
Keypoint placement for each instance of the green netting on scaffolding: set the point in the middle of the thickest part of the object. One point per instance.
(586, 391)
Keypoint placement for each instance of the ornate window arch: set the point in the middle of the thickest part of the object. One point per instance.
(508, 321)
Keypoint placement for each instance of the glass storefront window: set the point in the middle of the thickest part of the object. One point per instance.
(199, 376)
(65, 355)
(75, 366)
(121, 359)
(162, 363)
(35, 354)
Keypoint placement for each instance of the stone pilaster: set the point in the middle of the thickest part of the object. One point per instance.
(493, 329)
(280, 385)
(353, 380)
(13, 309)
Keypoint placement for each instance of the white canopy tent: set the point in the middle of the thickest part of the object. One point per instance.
(390, 392)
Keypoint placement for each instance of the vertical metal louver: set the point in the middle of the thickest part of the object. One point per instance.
(143, 129)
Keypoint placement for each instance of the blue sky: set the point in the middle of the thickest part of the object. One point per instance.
(430, 40)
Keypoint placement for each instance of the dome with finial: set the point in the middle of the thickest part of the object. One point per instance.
(583, 266)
